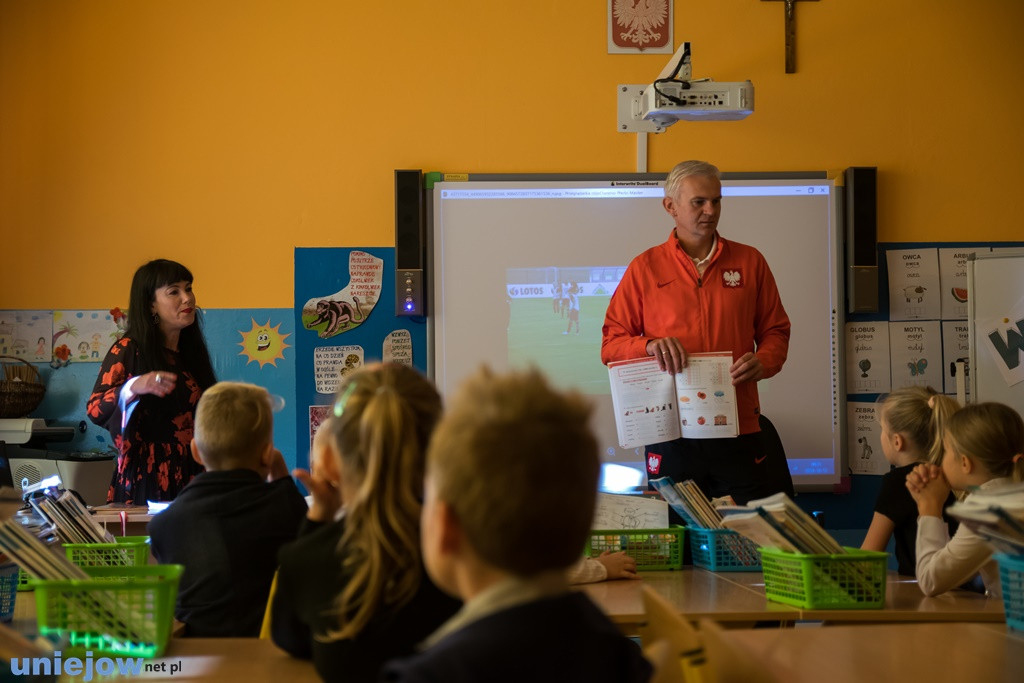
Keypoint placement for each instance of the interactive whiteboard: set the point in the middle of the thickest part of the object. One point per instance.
(498, 245)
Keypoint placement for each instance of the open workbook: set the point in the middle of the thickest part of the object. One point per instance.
(652, 406)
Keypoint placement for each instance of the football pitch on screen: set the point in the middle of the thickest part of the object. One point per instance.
(535, 337)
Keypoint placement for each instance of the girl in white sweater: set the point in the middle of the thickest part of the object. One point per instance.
(982, 449)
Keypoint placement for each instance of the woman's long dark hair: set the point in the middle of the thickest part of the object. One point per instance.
(143, 331)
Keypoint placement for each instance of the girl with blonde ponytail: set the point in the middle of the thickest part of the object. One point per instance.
(351, 590)
(911, 421)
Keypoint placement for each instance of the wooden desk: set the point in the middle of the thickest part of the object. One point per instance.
(854, 654)
(697, 593)
(903, 602)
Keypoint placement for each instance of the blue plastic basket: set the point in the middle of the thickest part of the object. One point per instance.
(1011, 576)
(9, 574)
(723, 550)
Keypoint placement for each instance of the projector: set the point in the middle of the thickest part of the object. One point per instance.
(673, 96)
(667, 102)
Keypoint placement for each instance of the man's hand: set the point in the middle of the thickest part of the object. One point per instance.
(669, 352)
(747, 368)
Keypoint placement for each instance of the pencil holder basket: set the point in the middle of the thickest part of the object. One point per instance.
(723, 550)
(1011, 576)
(652, 549)
(8, 590)
(124, 611)
(21, 390)
(853, 580)
(127, 551)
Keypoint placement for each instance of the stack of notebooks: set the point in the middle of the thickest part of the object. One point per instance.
(997, 515)
(72, 522)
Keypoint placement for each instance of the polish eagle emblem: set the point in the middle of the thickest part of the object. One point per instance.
(640, 19)
(731, 278)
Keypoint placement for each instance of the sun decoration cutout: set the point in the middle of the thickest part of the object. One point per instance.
(263, 343)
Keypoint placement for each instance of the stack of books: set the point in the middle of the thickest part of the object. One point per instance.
(778, 522)
(689, 502)
(997, 515)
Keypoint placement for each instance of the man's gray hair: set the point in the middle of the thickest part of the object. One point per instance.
(686, 169)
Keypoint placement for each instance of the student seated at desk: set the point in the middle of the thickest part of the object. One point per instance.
(352, 592)
(227, 524)
(511, 485)
(912, 420)
(982, 447)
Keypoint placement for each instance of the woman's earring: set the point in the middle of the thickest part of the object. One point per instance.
(155, 318)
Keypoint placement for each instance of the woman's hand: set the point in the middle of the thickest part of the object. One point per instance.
(159, 383)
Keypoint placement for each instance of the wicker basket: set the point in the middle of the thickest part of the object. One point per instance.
(20, 389)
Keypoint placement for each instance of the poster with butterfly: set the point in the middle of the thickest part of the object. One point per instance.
(915, 349)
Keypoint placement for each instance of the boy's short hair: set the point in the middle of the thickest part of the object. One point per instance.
(518, 464)
(234, 424)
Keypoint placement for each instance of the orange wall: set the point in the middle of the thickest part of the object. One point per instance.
(223, 133)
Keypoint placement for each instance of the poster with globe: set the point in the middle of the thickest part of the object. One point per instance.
(867, 358)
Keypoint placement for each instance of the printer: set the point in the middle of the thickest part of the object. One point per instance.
(25, 460)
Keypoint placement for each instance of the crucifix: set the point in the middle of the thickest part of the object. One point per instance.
(790, 33)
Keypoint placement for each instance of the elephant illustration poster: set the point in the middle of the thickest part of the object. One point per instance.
(914, 289)
(346, 309)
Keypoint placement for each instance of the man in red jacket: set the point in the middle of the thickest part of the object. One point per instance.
(699, 292)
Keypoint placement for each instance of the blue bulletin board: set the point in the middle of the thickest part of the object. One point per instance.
(345, 319)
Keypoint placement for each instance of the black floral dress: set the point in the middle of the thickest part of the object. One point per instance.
(152, 434)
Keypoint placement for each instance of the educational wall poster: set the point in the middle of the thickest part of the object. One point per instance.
(864, 435)
(1003, 339)
(397, 348)
(916, 351)
(354, 290)
(913, 284)
(26, 335)
(639, 27)
(618, 511)
(954, 347)
(867, 358)
(87, 334)
(953, 281)
(347, 308)
(331, 363)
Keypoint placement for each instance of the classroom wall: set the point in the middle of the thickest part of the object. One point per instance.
(225, 133)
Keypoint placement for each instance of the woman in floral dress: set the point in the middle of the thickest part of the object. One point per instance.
(149, 385)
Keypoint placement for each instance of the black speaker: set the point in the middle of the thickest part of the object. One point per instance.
(861, 199)
(410, 243)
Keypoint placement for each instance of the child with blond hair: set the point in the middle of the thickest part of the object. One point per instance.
(982, 450)
(912, 420)
(227, 524)
(351, 590)
(500, 529)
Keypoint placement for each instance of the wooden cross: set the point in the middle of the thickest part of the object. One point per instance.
(790, 33)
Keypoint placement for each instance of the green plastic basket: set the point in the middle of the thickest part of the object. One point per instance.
(24, 581)
(127, 551)
(855, 580)
(723, 550)
(652, 549)
(124, 611)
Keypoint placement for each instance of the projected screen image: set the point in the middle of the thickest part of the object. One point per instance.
(522, 273)
(555, 318)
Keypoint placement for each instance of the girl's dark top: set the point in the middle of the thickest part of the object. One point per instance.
(152, 435)
(895, 502)
(308, 582)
